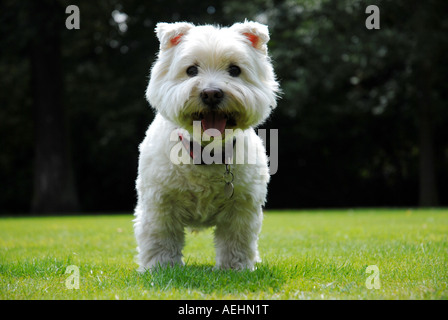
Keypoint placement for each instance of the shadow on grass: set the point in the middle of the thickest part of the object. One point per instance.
(205, 279)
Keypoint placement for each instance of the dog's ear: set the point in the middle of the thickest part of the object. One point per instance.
(170, 34)
(256, 33)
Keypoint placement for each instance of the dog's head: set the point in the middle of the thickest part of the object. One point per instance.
(222, 77)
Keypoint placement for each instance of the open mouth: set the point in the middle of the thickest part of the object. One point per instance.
(217, 120)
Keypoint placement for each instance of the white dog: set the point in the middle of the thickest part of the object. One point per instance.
(223, 79)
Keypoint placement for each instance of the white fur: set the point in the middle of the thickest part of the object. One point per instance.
(174, 196)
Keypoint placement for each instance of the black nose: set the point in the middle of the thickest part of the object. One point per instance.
(212, 96)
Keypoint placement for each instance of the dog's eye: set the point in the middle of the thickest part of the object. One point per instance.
(234, 71)
(192, 71)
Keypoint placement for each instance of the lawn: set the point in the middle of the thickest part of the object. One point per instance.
(321, 254)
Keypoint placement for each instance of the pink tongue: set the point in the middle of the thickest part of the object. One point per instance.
(213, 120)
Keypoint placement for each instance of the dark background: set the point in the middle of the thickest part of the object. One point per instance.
(363, 119)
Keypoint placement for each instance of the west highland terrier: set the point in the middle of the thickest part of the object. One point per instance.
(209, 86)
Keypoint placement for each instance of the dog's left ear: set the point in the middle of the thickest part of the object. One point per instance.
(256, 33)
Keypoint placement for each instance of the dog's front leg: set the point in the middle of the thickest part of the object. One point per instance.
(160, 242)
(236, 238)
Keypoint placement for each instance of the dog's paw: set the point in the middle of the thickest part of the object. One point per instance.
(235, 265)
(157, 264)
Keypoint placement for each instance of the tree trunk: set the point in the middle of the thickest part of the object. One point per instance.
(428, 183)
(428, 195)
(54, 187)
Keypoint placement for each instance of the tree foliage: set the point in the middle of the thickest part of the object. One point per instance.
(362, 120)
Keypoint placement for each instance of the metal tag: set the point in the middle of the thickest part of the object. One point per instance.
(228, 190)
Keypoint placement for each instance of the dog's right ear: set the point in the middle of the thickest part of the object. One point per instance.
(170, 34)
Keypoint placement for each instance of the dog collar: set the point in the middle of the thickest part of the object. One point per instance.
(193, 150)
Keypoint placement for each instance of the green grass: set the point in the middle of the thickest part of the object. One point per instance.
(306, 255)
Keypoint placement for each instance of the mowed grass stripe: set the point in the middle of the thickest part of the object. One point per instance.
(319, 254)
